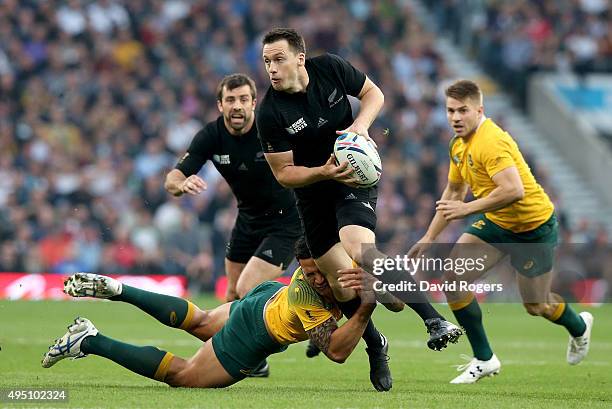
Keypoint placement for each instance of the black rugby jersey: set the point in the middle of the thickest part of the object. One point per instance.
(306, 122)
(242, 164)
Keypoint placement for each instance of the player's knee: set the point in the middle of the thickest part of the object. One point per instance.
(176, 376)
(354, 250)
(184, 377)
(535, 309)
(242, 288)
(231, 294)
(241, 291)
(200, 318)
(202, 326)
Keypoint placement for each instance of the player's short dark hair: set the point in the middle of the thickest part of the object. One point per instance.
(233, 81)
(294, 39)
(464, 89)
(302, 252)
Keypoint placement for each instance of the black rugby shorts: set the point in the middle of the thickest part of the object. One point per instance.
(333, 207)
(270, 237)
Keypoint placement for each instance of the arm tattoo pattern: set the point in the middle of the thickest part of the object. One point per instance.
(321, 334)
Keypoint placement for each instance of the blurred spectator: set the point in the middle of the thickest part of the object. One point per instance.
(106, 15)
(530, 36)
(10, 259)
(181, 130)
(71, 17)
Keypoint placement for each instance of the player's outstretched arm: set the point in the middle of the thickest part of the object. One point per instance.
(177, 183)
(337, 343)
(291, 176)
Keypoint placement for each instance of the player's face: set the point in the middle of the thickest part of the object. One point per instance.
(463, 116)
(315, 278)
(237, 106)
(282, 64)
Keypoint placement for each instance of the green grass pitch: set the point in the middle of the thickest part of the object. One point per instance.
(532, 351)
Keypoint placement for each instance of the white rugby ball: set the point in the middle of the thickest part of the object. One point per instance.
(362, 156)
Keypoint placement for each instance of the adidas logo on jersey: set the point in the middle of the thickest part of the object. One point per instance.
(297, 126)
(267, 253)
(242, 167)
(322, 121)
(350, 197)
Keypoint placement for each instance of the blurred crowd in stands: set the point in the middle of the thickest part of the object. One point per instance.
(98, 100)
(512, 39)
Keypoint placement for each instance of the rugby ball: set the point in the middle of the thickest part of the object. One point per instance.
(362, 156)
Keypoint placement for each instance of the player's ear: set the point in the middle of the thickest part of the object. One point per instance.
(254, 103)
(219, 106)
(301, 59)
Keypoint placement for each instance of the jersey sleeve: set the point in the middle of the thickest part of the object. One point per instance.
(497, 156)
(200, 150)
(272, 136)
(352, 78)
(307, 305)
(454, 175)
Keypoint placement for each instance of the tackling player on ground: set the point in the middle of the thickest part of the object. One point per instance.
(298, 120)
(515, 217)
(237, 336)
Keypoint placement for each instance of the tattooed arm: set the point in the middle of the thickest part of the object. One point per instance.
(337, 343)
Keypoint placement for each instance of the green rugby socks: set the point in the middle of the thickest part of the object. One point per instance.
(567, 317)
(469, 316)
(146, 361)
(171, 311)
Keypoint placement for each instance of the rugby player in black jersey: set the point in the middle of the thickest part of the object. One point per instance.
(298, 120)
(267, 226)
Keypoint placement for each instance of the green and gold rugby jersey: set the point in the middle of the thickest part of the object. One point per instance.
(489, 151)
(296, 309)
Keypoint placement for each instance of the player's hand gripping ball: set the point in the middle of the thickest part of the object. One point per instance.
(362, 156)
